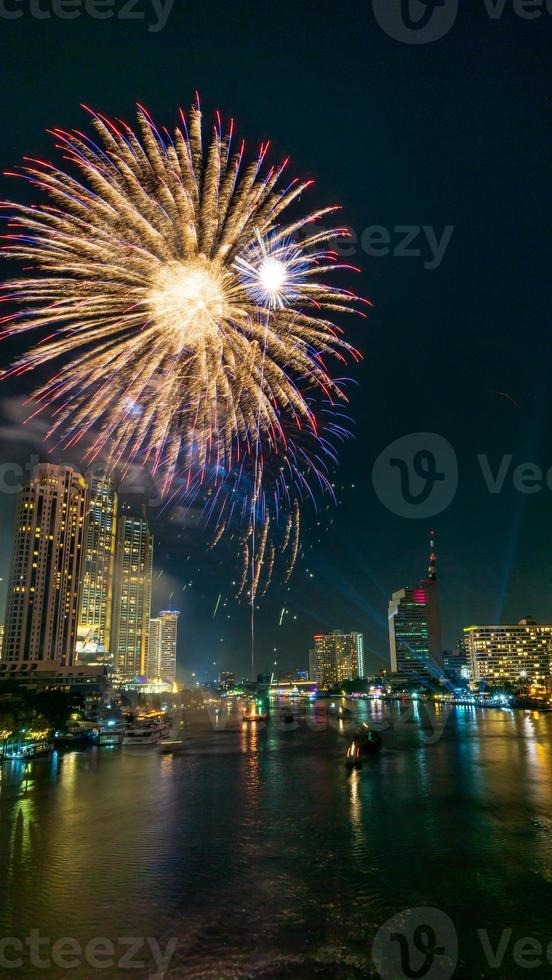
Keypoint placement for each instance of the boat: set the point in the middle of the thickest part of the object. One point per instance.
(111, 733)
(28, 751)
(340, 711)
(369, 740)
(254, 713)
(142, 735)
(365, 742)
(171, 746)
(76, 737)
(353, 759)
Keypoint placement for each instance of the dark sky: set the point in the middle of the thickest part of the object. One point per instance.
(456, 132)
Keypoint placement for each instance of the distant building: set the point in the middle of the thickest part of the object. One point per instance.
(291, 687)
(455, 663)
(336, 657)
(53, 675)
(98, 563)
(43, 590)
(153, 664)
(227, 680)
(519, 655)
(168, 631)
(161, 661)
(132, 594)
(415, 643)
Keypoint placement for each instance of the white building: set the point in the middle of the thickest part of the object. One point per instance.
(513, 654)
(162, 646)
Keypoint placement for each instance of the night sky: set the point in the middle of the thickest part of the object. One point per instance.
(453, 133)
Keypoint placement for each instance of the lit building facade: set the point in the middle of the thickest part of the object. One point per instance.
(168, 636)
(161, 663)
(98, 563)
(415, 643)
(132, 594)
(520, 655)
(44, 585)
(455, 663)
(336, 657)
(226, 680)
(153, 666)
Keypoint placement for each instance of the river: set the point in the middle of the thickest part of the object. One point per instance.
(255, 854)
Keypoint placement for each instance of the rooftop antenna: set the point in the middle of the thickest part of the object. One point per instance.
(432, 570)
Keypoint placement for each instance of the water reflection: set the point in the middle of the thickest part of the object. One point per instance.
(256, 844)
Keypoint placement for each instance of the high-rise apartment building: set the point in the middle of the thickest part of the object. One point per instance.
(98, 563)
(43, 592)
(227, 680)
(132, 594)
(153, 665)
(336, 657)
(162, 646)
(415, 642)
(169, 627)
(517, 655)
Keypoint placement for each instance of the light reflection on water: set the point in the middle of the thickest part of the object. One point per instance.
(260, 853)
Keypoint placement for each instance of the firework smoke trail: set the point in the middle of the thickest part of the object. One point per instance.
(190, 324)
(295, 533)
(217, 605)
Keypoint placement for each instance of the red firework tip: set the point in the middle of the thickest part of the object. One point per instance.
(42, 163)
(144, 111)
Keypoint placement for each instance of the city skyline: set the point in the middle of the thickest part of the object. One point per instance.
(100, 527)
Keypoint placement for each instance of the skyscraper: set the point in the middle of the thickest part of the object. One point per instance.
(153, 666)
(169, 627)
(336, 657)
(162, 646)
(95, 616)
(415, 643)
(43, 592)
(132, 593)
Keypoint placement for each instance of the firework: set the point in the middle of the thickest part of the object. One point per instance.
(191, 320)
